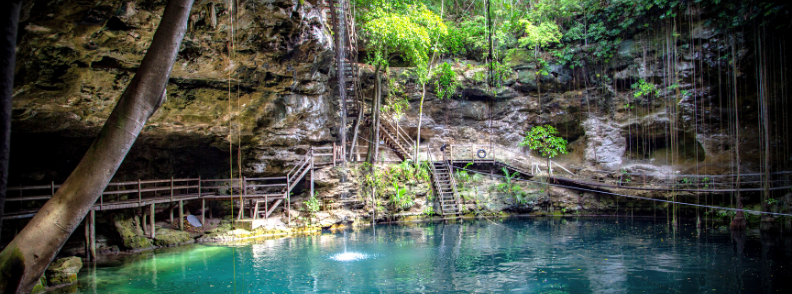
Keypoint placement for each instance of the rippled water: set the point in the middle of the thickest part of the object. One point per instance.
(556, 255)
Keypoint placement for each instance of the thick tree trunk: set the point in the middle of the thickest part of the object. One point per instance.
(24, 260)
(9, 18)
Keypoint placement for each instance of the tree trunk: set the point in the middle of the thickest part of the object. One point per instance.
(9, 18)
(355, 133)
(739, 222)
(423, 94)
(420, 119)
(374, 143)
(24, 260)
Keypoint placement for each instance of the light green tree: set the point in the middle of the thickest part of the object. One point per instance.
(543, 139)
(408, 31)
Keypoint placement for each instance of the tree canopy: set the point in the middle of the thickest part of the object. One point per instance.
(404, 30)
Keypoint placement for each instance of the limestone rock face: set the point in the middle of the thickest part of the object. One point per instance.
(605, 145)
(74, 61)
(63, 271)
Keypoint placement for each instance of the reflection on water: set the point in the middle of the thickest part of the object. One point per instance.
(515, 255)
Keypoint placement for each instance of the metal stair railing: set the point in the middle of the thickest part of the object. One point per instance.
(450, 168)
(439, 189)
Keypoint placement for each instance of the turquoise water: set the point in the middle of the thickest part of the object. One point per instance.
(553, 255)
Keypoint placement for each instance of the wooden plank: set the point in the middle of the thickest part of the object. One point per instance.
(267, 178)
(25, 188)
(267, 185)
(272, 209)
(29, 198)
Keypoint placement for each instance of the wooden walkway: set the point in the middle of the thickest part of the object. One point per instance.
(649, 181)
(270, 191)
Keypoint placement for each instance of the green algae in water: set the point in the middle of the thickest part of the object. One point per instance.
(552, 255)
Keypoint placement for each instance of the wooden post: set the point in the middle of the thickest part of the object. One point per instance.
(140, 197)
(92, 246)
(143, 221)
(171, 215)
(153, 229)
(203, 202)
(334, 153)
(244, 186)
(181, 215)
(87, 224)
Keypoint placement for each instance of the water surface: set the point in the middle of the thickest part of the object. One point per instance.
(522, 255)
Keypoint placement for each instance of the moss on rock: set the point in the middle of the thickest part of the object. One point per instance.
(63, 271)
(131, 233)
(168, 237)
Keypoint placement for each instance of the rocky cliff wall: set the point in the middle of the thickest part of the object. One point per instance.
(75, 58)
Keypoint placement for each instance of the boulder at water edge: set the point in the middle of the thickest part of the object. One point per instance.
(63, 271)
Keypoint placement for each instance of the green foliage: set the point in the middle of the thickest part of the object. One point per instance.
(643, 88)
(397, 105)
(510, 188)
(625, 177)
(406, 30)
(567, 57)
(542, 35)
(312, 205)
(391, 180)
(400, 199)
(428, 211)
(445, 81)
(463, 178)
(542, 23)
(543, 139)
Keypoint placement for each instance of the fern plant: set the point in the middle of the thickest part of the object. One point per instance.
(510, 188)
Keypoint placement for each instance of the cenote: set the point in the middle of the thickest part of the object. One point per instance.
(521, 255)
(395, 146)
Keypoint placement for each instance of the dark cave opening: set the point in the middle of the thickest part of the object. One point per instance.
(661, 150)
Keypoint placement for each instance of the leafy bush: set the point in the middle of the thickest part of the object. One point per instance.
(543, 139)
(511, 188)
(643, 88)
(445, 81)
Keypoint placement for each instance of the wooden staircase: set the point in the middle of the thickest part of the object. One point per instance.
(295, 175)
(397, 139)
(445, 187)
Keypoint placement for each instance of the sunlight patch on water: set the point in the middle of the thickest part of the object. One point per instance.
(349, 256)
